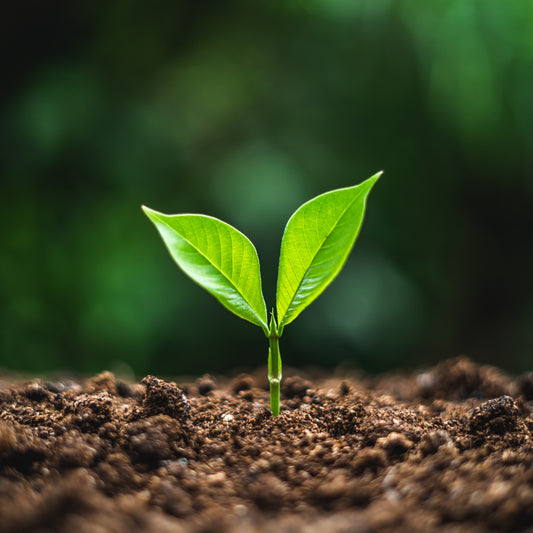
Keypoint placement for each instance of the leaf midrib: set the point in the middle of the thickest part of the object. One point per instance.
(217, 268)
(314, 256)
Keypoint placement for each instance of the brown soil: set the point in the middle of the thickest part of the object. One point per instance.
(449, 449)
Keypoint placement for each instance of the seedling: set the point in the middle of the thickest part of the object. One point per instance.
(315, 245)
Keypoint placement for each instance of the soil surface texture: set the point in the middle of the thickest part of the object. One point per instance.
(447, 449)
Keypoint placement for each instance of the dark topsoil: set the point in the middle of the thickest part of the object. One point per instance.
(448, 449)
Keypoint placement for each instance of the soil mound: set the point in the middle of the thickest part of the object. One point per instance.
(444, 450)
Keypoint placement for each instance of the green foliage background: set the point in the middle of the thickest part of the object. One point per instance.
(244, 111)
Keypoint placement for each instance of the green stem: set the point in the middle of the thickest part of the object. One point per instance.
(274, 371)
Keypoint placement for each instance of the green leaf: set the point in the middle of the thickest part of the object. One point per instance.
(218, 257)
(315, 245)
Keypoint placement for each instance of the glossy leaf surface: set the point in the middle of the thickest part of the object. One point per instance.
(316, 243)
(218, 257)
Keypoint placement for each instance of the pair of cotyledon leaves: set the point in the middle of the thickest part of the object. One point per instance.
(316, 243)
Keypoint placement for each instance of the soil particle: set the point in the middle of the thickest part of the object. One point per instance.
(268, 491)
(243, 382)
(104, 382)
(446, 450)
(459, 378)
(524, 386)
(433, 440)
(295, 386)
(497, 416)
(394, 444)
(153, 439)
(205, 384)
(8, 438)
(36, 392)
(164, 398)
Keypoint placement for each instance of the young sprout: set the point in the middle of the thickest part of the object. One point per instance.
(315, 245)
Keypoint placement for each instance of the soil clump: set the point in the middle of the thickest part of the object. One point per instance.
(448, 449)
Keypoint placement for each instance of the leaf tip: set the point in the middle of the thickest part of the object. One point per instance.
(370, 182)
(375, 177)
(150, 213)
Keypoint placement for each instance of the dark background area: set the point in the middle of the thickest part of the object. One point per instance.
(244, 111)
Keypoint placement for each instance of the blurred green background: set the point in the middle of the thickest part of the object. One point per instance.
(244, 111)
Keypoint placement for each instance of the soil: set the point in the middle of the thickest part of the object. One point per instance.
(448, 449)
